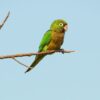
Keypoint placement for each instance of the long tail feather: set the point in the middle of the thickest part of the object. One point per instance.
(36, 61)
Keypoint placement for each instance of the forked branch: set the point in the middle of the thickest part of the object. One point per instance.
(35, 53)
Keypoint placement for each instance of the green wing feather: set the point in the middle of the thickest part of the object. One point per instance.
(42, 47)
(45, 40)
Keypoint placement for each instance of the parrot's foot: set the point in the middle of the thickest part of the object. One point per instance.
(62, 51)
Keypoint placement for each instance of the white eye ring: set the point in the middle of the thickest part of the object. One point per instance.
(61, 24)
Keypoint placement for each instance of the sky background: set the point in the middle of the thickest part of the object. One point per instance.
(74, 76)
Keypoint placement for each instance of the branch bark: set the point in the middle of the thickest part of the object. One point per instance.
(1, 25)
(35, 53)
(19, 62)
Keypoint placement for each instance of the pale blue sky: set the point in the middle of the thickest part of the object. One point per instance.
(73, 76)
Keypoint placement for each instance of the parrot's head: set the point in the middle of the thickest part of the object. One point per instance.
(59, 25)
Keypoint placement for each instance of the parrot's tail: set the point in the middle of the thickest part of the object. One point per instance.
(36, 61)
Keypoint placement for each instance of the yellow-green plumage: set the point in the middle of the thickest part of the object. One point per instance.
(56, 41)
(52, 40)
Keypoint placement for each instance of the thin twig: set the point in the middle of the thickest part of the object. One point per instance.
(1, 25)
(37, 53)
(20, 62)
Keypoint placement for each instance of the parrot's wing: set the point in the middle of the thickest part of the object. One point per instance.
(45, 40)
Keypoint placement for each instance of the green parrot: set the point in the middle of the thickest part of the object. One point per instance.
(52, 40)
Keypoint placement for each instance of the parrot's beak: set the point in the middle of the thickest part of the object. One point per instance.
(66, 27)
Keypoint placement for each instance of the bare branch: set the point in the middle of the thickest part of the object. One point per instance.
(20, 62)
(1, 25)
(37, 53)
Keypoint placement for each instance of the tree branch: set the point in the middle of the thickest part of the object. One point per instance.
(19, 62)
(1, 25)
(33, 53)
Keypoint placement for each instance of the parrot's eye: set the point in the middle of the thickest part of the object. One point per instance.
(61, 24)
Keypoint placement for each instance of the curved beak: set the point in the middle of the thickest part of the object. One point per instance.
(66, 27)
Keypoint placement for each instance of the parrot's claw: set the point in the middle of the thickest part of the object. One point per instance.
(62, 51)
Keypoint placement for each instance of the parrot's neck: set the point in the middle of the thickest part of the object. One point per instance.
(59, 31)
